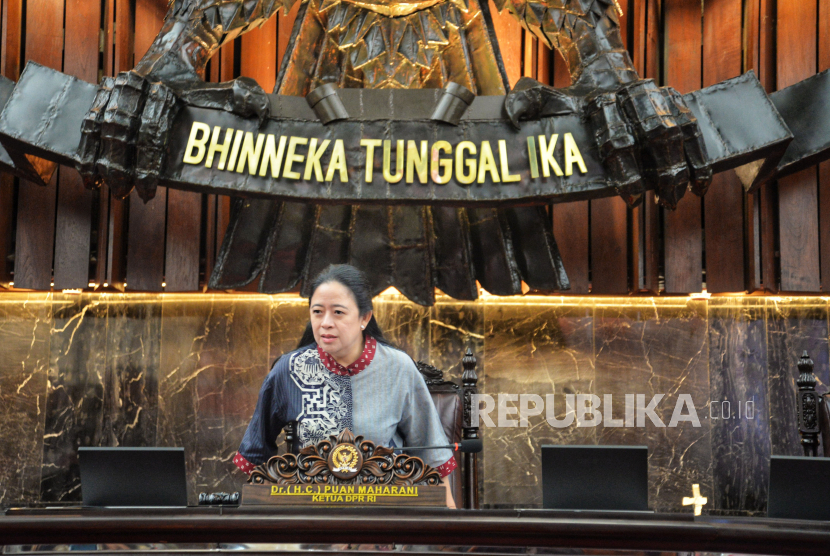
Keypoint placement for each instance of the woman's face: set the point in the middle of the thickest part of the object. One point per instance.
(336, 322)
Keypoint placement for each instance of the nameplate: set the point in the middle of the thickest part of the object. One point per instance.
(343, 495)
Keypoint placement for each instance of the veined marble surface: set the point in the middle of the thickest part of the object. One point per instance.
(185, 370)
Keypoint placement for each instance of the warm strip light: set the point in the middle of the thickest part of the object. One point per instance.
(391, 291)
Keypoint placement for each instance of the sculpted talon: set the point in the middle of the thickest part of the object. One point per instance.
(617, 147)
(530, 99)
(517, 105)
(113, 161)
(249, 99)
(660, 139)
(90, 146)
(694, 146)
(160, 111)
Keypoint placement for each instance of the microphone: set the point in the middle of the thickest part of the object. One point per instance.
(468, 446)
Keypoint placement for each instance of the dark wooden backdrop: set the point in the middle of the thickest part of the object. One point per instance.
(64, 236)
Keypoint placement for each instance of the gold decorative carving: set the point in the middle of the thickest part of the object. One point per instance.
(345, 460)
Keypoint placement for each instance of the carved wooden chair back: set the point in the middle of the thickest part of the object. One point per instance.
(813, 410)
(454, 405)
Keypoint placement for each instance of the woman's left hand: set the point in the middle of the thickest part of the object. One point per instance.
(450, 499)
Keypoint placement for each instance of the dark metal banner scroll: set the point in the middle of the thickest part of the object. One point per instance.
(389, 151)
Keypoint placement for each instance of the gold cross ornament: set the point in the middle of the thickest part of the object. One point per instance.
(696, 499)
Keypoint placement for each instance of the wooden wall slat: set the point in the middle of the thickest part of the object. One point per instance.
(124, 40)
(180, 247)
(609, 231)
(543, 62)
(211, 240)
(759, 55)
(724, 202)
(120, 48)
(824, 169)
(259, 54)
(103, 237)
(645, 230)
(752, 207)
(608, 246)
(228, 72)
(797, 194)
(181, 268)
(35, 235)
(34, 244)
(285, 24)
(570, 220)
(638, 14)
(6, 225)
(769, 194)
(682, 239)
(145, 244)
(72, 228)
(74, 211)
(214, 75)
(529, 56)
(11, 12)
(509, 36)
(223, 217)
(570, 228)
(637, 45)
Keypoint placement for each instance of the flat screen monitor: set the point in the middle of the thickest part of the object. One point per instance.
(129, 477)
(799, 488)
(612, 478)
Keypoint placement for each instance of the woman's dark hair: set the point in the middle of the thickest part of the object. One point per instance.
(354, 281)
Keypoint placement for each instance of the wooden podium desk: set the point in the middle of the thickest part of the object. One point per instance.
(427, 531)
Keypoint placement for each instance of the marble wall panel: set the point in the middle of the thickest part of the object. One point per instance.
(651, 348)
(794, 326)
(453, 327)
(739, 410)
(289, 315)
(75, 395)
(185, 370)
(405, 324)
(214, 356)
(132, 364)
(25, 322)
(538, 348)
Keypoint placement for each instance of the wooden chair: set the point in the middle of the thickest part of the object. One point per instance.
(454, 406)
(813, 410)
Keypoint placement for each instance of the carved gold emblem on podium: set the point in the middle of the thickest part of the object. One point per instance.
(345, 461)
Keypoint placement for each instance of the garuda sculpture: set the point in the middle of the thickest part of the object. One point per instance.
(646, 136)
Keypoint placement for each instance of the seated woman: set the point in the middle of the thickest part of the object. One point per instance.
(345, 374)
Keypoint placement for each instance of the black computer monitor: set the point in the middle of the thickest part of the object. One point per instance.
(613, 478)
(128, 477)
(799, 488)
